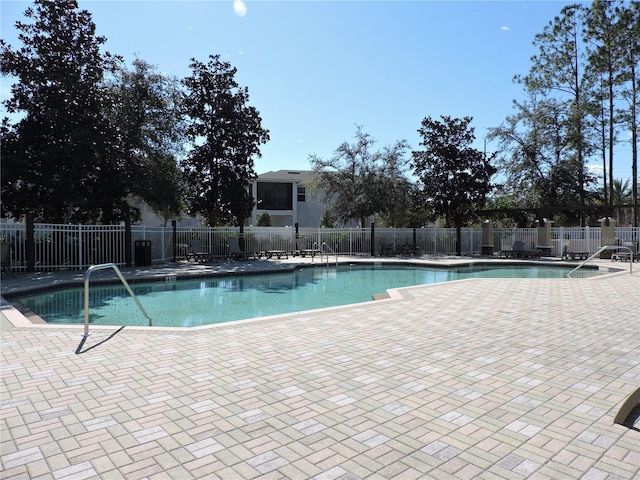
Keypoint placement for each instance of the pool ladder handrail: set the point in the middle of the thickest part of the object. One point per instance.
(602, 249)
(323, 252)
(104, 266)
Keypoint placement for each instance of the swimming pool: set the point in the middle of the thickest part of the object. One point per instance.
(190, 303)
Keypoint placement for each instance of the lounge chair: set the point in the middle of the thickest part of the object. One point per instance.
(268, 251)
(5, 256)
(198, 253)
(302, 251)
(568, 254)
(236, 252)
(624, 255)
(406, 249)
(518, 251)
(387, 250)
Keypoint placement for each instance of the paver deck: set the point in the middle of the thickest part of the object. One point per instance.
(490, 378)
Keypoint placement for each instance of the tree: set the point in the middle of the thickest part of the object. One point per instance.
(584, 66)
(601, 32)
(611, 58)
(532, 144)
(327, 220)
(60, 160)
(630, 76)
(614, 38)
(397, 209)
(353, 181)
(146, 108)
(455, 178)
(506, 210)
(225, 135)
(165, 190)
(622, 195)
(558, 72)
(264, 220)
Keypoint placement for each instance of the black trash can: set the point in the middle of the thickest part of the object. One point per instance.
(143, 253)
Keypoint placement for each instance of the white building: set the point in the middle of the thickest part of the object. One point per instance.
(285, 196)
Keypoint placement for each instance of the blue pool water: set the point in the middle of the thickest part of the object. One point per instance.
(190, 303)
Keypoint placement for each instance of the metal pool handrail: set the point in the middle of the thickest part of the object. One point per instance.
(104, 266)
(322, 252)
(602, 249)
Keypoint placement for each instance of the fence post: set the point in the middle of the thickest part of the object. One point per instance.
(127, 241)
(393, 230)
(213, 234)
(350, 240)
(435, 240)
(80, 247)
(372, 241)
(174, 237)
(30, 246)
(163, 247)
(587, 238)
(560, 251)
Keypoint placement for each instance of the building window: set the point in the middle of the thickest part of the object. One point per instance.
(301, 194)
(274, 196)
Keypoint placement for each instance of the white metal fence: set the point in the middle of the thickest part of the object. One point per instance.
(77, 247)
(59, 247)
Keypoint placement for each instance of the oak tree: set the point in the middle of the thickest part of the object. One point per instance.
(225, 135)
(146, 108)
(60, 158)
(357, 181)
(454, 177)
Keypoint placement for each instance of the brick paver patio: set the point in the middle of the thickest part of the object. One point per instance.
(492, 378)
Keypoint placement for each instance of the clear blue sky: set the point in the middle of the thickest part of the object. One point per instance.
(315, 69)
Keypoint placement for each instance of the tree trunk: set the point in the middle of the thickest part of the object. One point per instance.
(634, 170)
(611, 135)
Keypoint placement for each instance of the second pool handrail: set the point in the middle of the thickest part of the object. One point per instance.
(602, 249)
(323, 252)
